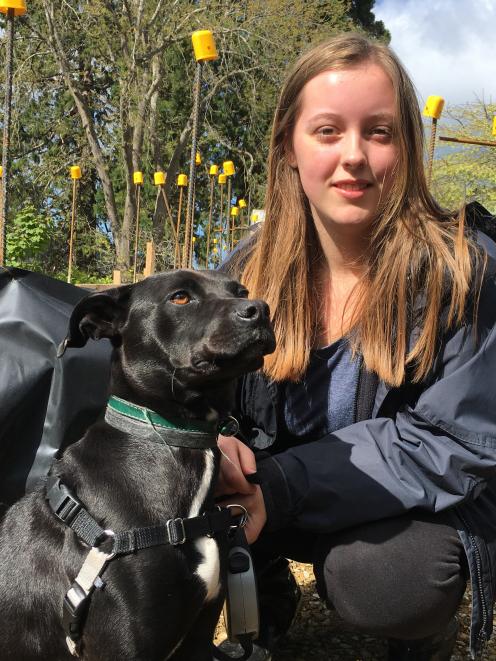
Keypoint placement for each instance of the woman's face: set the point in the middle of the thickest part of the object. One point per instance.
(342, 144)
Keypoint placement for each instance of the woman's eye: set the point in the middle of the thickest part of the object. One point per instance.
(382, 131)
(326, 131)
(180, 298)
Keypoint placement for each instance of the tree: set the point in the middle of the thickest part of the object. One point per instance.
(107, 84)
(463, 172)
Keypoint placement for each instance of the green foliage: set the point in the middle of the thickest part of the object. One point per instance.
(28, 238)
(463, 172)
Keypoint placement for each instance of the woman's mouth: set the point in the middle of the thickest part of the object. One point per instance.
(352, 189)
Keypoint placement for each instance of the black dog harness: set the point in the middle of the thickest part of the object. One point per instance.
(70, 511)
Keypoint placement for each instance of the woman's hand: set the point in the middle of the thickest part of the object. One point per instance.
(237, 461)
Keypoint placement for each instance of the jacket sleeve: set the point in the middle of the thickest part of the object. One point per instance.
(433, 455)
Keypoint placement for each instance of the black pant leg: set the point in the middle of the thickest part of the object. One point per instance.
(400, 578)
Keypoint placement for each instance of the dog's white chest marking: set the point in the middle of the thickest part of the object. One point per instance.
(209, 569)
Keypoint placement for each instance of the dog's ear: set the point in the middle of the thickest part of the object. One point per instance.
(97, 315)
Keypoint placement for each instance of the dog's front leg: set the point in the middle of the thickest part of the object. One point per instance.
(197, 645)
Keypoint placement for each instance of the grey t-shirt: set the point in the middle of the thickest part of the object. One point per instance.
(324, 400)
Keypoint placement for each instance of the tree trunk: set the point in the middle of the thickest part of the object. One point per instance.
(89, 129)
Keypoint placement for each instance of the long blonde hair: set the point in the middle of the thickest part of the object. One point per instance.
(418, 252)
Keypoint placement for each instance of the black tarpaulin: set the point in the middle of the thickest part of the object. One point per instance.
(45, 402)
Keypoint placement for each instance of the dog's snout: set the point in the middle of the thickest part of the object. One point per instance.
(252, 310)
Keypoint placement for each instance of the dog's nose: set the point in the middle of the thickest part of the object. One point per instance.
(252, 310)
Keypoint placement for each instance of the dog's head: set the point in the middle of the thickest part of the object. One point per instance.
(195, 327)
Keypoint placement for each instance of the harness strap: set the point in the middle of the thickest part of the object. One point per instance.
(77, 598)
(68, 509)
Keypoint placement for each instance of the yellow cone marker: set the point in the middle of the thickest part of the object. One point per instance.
(159, 178)
(433, 107)
(19, 7)
(75, 172)
(204, 46)
(228, 167)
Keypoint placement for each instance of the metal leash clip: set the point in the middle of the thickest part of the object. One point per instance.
(244, 515)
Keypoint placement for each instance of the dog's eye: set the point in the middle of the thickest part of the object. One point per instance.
(180, 298)
(242, 293)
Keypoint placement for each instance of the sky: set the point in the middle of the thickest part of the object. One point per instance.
(447, 46)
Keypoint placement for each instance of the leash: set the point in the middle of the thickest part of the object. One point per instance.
(241, 614)
(70, 511)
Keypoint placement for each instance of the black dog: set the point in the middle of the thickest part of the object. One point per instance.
(180, 341)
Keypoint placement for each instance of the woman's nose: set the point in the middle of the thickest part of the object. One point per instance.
(353, 153)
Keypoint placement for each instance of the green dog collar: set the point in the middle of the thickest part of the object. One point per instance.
(146, 415)
(228, 426)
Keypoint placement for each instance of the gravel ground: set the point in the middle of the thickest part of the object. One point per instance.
(319, 635)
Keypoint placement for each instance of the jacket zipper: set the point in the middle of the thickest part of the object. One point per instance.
(478, 564)
(357, 390)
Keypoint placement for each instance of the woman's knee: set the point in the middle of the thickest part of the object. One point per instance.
(400, 578)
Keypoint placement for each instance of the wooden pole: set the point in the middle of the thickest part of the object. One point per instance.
(177, 248)
(72, 236)
(221, 222)
(228, 213)
(136, 233)
(209, 225)
(4, 209)
(169, 211)
(432, 145)
(188, 229)
(469, 141)
(150, 259)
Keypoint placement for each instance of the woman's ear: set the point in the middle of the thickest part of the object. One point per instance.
(291, 158)
(289, 152)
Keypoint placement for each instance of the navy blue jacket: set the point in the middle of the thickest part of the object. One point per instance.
(430, 446)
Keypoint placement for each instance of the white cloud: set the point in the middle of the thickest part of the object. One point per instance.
(447, 46)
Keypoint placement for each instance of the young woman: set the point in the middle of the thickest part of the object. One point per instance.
(372, 429)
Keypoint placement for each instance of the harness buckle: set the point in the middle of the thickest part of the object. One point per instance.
(64, 505)
(176, 531)
(75, 602)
